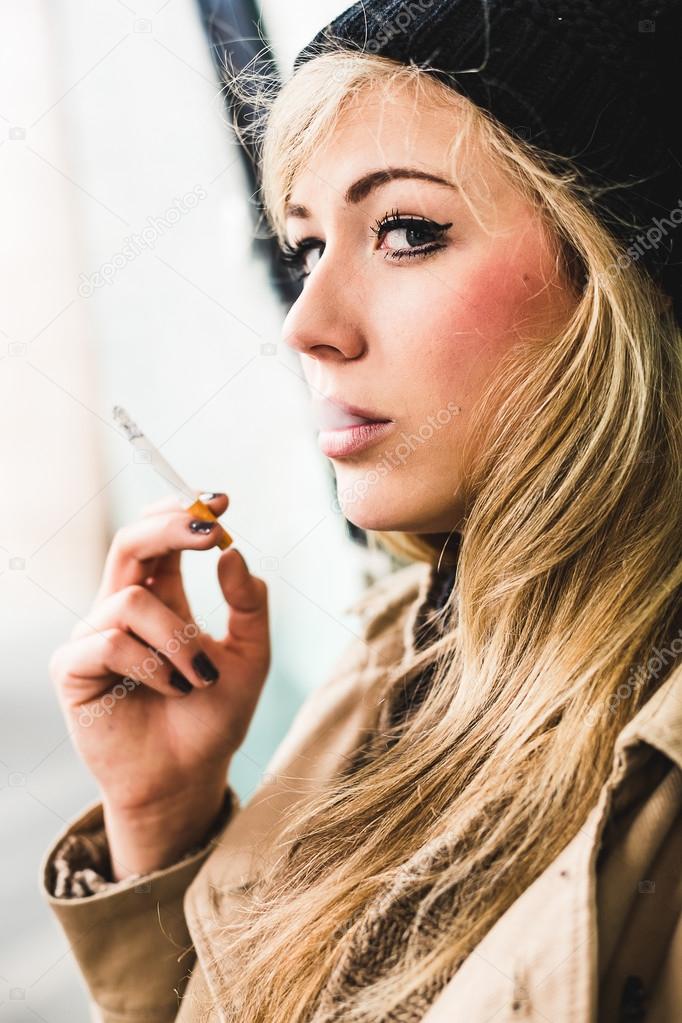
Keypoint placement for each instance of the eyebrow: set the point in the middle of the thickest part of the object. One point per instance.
(361, 188)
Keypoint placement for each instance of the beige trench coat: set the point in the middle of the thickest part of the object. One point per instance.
(562, 952)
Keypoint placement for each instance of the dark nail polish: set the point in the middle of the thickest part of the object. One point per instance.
(210, 496)
(178, 680)
(200, 526)
(204, 667)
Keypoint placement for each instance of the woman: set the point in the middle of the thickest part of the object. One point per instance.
(478, 816)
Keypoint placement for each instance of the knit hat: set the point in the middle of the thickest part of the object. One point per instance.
(587, 80)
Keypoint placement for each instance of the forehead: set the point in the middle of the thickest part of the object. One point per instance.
(385, 128)
(381, 127)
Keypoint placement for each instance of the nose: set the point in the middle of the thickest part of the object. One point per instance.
(325, 321)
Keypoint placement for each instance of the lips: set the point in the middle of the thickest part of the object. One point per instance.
(335, 415)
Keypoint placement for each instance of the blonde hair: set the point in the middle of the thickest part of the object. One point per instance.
(569, 573)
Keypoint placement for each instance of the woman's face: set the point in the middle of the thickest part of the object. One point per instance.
(410, 322)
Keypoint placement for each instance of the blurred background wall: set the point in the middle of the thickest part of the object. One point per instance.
(111, 117)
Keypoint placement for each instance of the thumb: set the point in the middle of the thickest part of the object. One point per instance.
(247, 600)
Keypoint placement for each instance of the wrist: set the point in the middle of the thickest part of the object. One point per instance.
(150, 837)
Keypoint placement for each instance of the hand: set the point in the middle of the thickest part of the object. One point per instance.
(160, 755)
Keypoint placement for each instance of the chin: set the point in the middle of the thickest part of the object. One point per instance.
(367, 518)
(365, 510)
(393, 509)
(373, 513)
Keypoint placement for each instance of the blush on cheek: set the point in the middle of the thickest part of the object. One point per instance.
(500, 300)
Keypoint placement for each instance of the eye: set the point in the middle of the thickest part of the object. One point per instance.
(300, 257)
(408, 235)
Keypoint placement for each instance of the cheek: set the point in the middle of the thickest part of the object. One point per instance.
(455, 333)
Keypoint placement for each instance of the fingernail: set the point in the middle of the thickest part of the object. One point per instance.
(178, 680)
(201, 526)
(210, 497)
(204, 667)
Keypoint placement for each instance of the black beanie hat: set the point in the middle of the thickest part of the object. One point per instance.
(594, 82)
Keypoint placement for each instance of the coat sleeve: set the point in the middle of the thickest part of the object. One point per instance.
(129, 938)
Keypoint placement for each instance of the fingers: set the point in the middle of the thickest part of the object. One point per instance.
(136, 547)
(218, 503)
(87, 669)
(247, 599)
(136, 610)
(164, 573)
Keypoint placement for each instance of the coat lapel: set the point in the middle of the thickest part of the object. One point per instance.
(539, 961)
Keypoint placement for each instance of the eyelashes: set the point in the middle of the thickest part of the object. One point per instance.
(293, 256)
(427, 236)
(410, 226)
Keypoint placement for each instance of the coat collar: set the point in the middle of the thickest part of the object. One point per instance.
(659, 721)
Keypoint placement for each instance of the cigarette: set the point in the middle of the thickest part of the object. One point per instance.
(188, 498)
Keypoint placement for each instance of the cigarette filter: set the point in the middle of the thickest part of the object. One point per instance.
(189, 499)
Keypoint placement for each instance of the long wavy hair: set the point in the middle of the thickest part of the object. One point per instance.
(568, 574)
